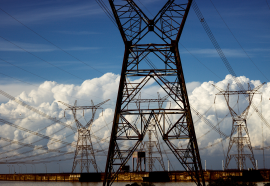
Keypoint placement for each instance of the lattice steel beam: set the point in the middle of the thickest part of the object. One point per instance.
(239, 134)
(134, 111)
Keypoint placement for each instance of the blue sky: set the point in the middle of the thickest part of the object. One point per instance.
(93, 47)
(84, 31)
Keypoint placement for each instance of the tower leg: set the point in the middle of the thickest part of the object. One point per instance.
(134, 112)
(84, 154)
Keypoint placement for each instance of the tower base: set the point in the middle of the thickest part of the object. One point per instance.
(90, 177)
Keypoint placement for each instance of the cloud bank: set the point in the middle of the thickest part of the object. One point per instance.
(45, 97)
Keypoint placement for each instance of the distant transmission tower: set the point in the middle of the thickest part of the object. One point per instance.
(239, 135)
(84, 154)
(151, 145)
(132, 120)
(147, 147)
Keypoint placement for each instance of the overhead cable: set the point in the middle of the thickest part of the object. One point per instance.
(267, 4)
(224, 59)
(47, 40)
(239, 42)
(40, 58)
(36, 110)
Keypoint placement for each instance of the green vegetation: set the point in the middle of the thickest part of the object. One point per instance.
(229, 182)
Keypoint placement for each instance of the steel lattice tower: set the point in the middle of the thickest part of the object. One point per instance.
(84, 154)
(131, 120)
(239, 135)
(150, 145)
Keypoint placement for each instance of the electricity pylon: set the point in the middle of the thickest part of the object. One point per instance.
(84, 154)
(239, 135)
(131, 120)
(151, 145)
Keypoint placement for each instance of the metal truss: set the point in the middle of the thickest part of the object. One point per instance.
(150, 147)
(135, 109)
(239, 135)
(84, 154)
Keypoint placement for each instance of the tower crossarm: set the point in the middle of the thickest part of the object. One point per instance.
(257, 88)
(170, 20)
(131, 21)
(244, 114)
(72, 107)
(133, 24)
(75, 108)
(244, 92)
(67, 105)
(163, 10)
(175, 123)
(233, 113)
(22, 103)
(247, 92)
(98, 105)
(239, 135)
(149, 100)
(218, 88)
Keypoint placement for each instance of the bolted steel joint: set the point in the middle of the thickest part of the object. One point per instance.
(173, 45)
(128, 44)
(140, 137)
(151, 25)
(165, 137)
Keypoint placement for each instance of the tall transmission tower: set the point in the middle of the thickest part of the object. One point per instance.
(84, 154)
(131, 121)
(152, 145)
(239, 135)
(147, 147)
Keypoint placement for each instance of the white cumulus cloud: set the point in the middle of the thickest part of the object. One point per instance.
(45, 97)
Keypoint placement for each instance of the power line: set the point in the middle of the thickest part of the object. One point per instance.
(49, 137)
(238, 41)
(48, 40)
(145, 8)
(105, 9)
(224, 59)
(40, 58)
(57, 149)
(267, 4)
(18, 79)
(208, 69)
(41, 135)
(36, 76)
(102, 4)
(30, 84)
(29, 162)
(199, 61)
(214, 41)
(24, 69)
(204, 119)
(109, 14)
